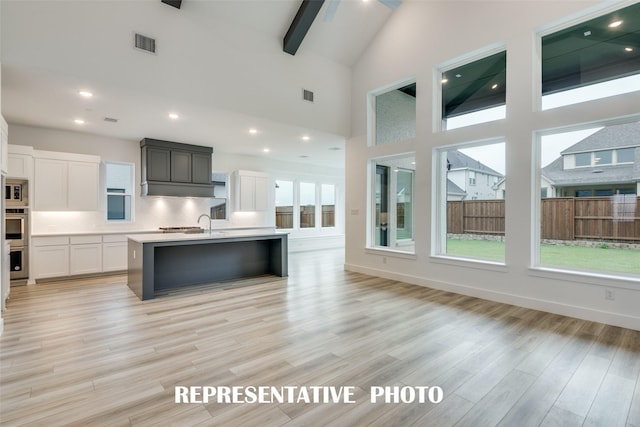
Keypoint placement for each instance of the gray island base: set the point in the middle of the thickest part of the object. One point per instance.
(158, 262)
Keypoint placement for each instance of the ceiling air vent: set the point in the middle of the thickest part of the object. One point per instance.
(110, 120)
(145, 43)
(307, 95)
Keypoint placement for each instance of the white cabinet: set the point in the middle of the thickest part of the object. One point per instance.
(61, 184)
(50, 257)
(50, 185)
(4, 146)
(59, 256)
(114, 253)
(83, 186)
(85, 255)
(252, 191)
(20, 162)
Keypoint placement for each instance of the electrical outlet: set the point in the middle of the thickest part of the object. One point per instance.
(609, 294)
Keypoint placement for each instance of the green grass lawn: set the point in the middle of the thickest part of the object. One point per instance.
(617, 260)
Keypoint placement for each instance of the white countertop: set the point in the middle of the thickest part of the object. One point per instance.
(92, 233)
(179, 237)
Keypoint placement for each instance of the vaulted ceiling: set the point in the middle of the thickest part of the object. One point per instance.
(219, 65)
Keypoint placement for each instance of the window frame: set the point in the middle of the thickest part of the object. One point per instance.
(131, 195)
(371, 106)
(554, 271)
(439, 205)
(394, 245)
(438, 123)
(560, 25)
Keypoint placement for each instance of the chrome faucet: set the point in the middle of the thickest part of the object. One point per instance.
(208, 217)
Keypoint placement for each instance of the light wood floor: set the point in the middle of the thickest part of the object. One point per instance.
(88, 352)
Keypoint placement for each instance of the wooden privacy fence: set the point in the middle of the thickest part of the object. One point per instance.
(284, 216)
(566, 218)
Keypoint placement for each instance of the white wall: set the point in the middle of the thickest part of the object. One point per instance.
(153, 212)
(417, 38)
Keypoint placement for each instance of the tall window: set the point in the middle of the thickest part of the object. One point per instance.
(394, 113)
(590, 217)
(328, 202)
(392, 202)
(474, 92)
(593, 59)
(284, 204)
(470, 205)
(119, 178)
(307, 205)
(220, 199)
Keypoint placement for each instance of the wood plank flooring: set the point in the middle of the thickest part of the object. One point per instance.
(88, 352)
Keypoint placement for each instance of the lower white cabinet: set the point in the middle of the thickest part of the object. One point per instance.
(85, 255)
(59, 256)
(50, 257)
(114, 253)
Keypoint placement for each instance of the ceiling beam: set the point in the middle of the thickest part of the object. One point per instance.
(174, 3)
(301, 23)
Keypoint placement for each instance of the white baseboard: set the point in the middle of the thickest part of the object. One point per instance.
(615, 319)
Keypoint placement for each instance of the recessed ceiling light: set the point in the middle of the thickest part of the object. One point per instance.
(628, 49)
(79, 121)
(458, 75)
(444, 80)
(253, 131)
(85, 93)
(615, 24)
(495, 86)
(587, 33)
(306, 138)
(266, 150)
(173, 116)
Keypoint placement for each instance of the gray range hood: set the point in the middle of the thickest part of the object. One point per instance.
(175, 169)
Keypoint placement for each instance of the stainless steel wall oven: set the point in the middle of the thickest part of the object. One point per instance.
(17, 233)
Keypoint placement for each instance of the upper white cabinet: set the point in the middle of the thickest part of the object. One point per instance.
(84, 186)
(66, 182)
(252, 191)
(4, 146)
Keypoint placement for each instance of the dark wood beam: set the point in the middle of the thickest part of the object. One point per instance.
(301, 23)
(174, 3)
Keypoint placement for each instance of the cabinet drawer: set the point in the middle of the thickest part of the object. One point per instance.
(84, 240)
(50, 241)
(113, 238)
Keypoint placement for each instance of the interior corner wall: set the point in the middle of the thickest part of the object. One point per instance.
(417, 38)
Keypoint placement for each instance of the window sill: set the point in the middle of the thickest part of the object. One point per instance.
(586, 277)
(470, 263)
(391, 253)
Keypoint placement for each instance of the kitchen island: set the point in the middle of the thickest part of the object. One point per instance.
(161, 261)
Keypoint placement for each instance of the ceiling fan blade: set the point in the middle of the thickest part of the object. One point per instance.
(391, 4)
(332, 6)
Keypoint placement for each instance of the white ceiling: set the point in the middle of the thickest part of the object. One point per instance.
(219, 65)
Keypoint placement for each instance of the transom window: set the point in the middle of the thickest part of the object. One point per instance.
(474, 92)
(592, 59)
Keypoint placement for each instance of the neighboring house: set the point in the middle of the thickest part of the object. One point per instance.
(469, 179)
(603, 164)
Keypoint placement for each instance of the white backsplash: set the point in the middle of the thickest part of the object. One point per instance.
(150, 214)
